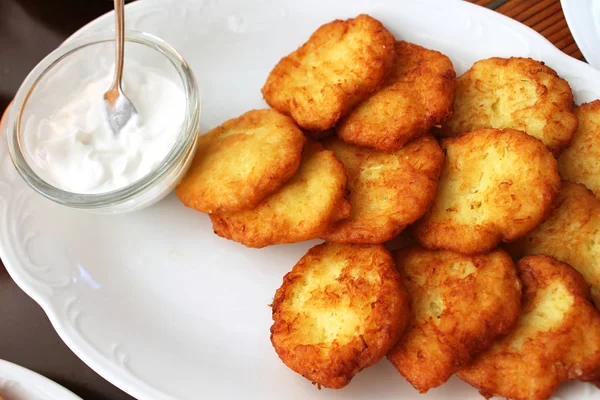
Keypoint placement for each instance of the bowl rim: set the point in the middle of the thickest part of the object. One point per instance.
(183, 144)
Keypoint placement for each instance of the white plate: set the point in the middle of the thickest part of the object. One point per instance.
(154, 301)
(583, 18)
(18, 383)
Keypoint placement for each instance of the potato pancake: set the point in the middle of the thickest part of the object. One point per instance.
(388, 191)
(496, 185)
(241, 162)
(340, 310)
(303, 209)
(571, 235)
(557, 337)
(415, 96)
(340, 65)
(517, 93)
(460, 304)
(580, 162)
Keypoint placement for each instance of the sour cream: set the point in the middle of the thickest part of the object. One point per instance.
(75, 150)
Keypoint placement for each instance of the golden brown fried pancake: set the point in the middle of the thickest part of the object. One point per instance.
(571, 235)
(339, 66)
(460, 304)
(241, 162)
(496, 185)
(340, 309)
(302, 210)
(518, 93)
(388, 191)
(580, 162)
(557, 337)
(417, 95)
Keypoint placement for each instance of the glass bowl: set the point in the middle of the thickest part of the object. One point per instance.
(59, 74)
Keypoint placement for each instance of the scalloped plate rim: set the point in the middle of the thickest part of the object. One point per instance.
(133, 385)
(28, 378)
(579, 16)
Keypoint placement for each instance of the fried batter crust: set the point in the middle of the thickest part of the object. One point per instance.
(557, 337)
(388, 191)
(339, 66)
(518, 93)
(460, 304)
(496, 185)
(303, 209)
(415, 96)
(571, 235)
(580, 162)
(340, 310)
(241, 162)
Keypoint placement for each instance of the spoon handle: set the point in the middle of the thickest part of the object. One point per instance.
(119, 41)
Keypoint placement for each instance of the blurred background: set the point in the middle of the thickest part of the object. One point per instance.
(30, 29)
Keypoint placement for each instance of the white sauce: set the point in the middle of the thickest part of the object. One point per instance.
(75, 150)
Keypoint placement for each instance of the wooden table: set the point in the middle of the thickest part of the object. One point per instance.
(545, 16)
(30, 29)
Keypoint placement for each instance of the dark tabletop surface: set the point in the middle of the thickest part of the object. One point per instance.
(29, 30)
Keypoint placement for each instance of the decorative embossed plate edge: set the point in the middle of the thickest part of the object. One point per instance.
(52, 291)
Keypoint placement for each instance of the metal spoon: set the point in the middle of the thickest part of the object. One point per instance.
(119, 109)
